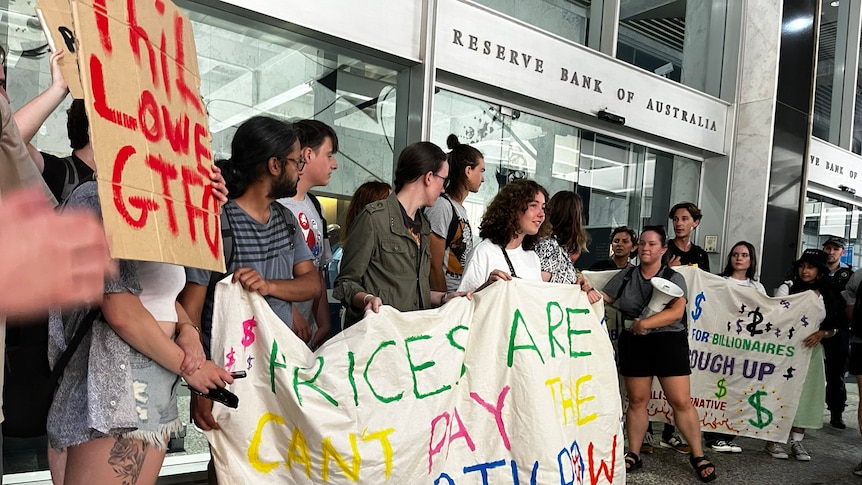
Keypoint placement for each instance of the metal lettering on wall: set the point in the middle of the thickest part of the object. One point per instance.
(479, 44)
(833, 167)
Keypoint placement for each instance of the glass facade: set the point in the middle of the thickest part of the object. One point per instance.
(621, 183)
(681, 40)
(824, 217)
(567, 18)
(827, 70)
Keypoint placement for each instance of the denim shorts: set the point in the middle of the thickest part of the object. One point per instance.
(155, 390)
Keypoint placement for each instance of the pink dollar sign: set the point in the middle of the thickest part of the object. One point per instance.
(231, 360)
(248, 331)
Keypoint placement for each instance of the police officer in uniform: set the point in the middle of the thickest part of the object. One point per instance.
(836, 349)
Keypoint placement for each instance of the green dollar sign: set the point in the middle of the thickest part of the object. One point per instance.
(722, 391)
(755, 403)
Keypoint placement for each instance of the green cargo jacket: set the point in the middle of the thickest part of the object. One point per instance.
(382, 258)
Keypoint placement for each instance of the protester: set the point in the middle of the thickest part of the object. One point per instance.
(116, 404)
(562, 238)
(386, 258)
(837, 348)
(451, 233)
(741, 266)
(319, 144)
(269, 254)
(623, 244)
(365, 194)
(741, 269)
(508, 231)
(681, 251)
(663, 333)
(809, 273)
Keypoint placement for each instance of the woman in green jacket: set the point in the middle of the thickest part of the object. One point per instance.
(387, 258)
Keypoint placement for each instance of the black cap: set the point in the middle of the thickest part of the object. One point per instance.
(814, 257)
(836, 240)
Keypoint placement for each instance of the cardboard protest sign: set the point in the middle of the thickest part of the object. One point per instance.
(56, 19)
(746, 354)
(517, 386)
(149, 131)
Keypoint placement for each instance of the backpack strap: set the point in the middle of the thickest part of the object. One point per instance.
(73, 178)
(82, 330)
(626, 278)
(227, 246)
(282, 210)
(454, 222)
(319, 213)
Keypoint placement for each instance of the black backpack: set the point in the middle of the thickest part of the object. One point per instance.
(30, 383)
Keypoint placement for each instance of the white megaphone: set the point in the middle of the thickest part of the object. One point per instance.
(663, 291)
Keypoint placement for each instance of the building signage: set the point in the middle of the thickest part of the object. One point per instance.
(480, 44)
(834, 167)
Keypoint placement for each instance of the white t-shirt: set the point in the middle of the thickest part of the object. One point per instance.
(487, 256)
(311, 225)
(748, 283)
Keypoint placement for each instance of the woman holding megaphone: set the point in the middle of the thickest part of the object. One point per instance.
(655, 344)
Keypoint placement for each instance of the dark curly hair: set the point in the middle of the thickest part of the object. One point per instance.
(500, 222)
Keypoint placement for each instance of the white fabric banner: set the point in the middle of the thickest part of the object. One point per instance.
(517, 386)
(746, 353)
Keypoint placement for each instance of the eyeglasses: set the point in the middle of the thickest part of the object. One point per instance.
(300, 163)
(444, 179)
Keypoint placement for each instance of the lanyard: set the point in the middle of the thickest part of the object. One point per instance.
(509, 262)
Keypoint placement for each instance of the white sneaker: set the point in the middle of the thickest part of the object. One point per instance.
(722, 446)
(734, 448)
(799, 451)
(776, 450)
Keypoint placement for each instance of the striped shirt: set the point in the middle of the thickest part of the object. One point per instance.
(272, 249)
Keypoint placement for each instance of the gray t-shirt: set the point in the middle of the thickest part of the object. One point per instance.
(455, 256)
(311, 226)
(272, 249)
(637, 293)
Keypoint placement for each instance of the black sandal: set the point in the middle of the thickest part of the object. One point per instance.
(701, 463)
(633, 462)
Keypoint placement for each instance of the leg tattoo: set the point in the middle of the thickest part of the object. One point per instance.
(127, 459)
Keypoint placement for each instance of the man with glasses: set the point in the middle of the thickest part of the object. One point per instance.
(319, 144)
(264, 249)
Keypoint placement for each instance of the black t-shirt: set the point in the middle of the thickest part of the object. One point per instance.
(56, 173)
(604, 265)
(695, 255)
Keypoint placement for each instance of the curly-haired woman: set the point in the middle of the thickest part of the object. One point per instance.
(508, 231)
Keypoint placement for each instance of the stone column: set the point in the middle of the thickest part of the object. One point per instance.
(765, 183)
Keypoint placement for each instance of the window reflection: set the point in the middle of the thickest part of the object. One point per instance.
(620, 182)
(681, 40)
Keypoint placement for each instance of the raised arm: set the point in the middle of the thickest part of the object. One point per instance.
(32, 115)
